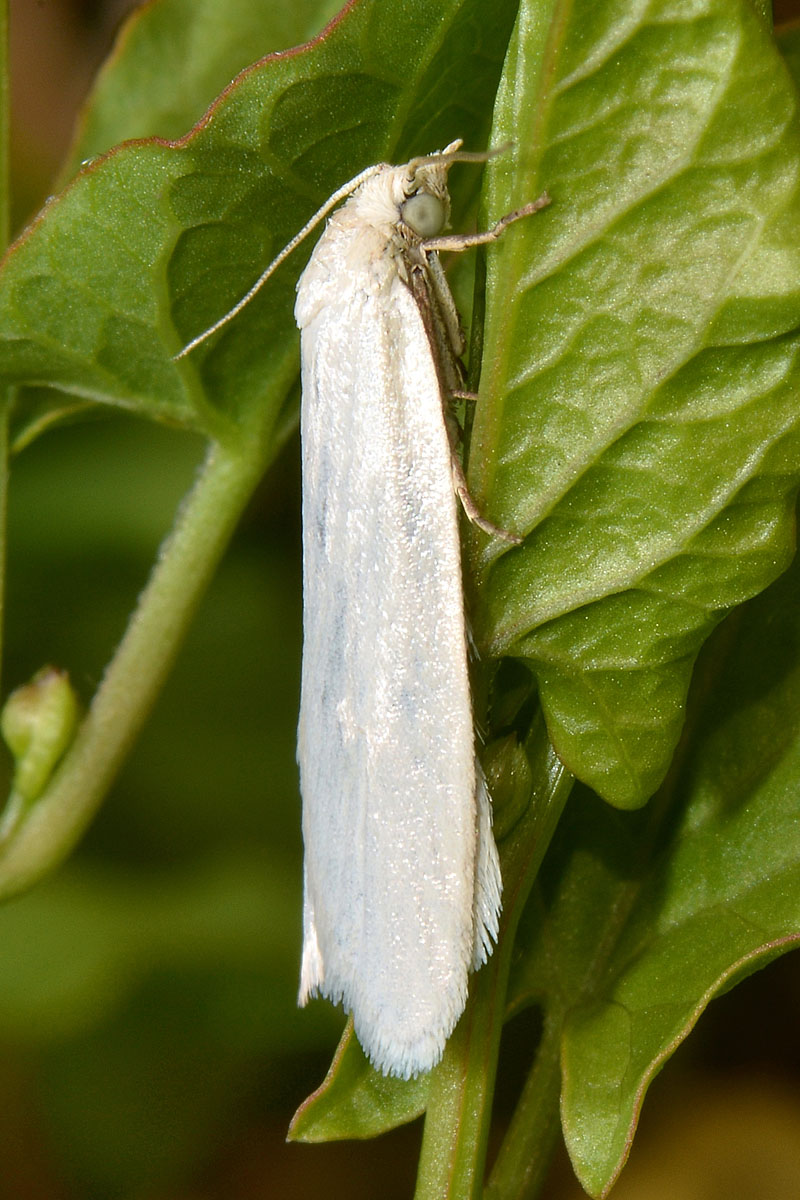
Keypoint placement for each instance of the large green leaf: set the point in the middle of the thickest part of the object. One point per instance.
(153, 242)
(641, 363)
(135, 96)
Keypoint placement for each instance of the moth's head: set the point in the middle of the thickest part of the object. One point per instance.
(425, 208)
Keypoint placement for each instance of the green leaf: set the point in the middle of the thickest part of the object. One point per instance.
(135, 94)
(640, 422)
(154, 242)
(82, 292)
(640, 919)
(355, 1101)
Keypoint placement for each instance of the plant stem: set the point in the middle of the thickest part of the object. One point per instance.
(135, 674)
(461, 1088)
(6, 393)
(524, 1159)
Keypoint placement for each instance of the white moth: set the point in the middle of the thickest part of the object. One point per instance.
(401, 878)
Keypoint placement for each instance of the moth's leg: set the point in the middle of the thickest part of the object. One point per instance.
(449, 404)
(455, 434)
(470, 507)
(470, 400)
(458, 241)
(445, 305)
(450, 372)
(440, 318)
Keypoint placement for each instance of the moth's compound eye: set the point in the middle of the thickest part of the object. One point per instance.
(424, 214)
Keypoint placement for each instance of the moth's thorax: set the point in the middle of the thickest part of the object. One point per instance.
(366, 243)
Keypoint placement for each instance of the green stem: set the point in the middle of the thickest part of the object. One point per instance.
(524, 1159)
(143, 659)
(458, 1113)
(6, 393)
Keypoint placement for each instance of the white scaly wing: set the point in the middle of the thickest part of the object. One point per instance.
(402, 884)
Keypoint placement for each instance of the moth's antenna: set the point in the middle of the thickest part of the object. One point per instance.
(453, 154)
(331, 202)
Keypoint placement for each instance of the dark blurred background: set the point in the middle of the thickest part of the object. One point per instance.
(150, 1047)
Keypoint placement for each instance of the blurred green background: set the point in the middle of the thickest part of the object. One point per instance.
(150, 1046)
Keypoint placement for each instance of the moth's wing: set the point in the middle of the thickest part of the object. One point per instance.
(488, 883)
(400, 896)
